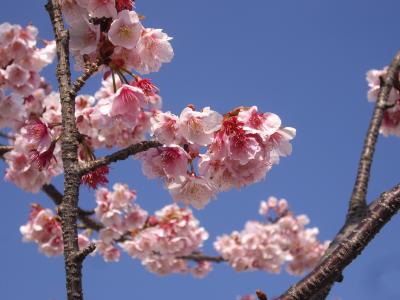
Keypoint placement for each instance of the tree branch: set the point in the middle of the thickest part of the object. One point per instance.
(81, 255)
(199, 257)
(90, 69)
(332, 266)
(68, 210)
(261, 295)
(117, 156)
(5, 149)
(358, 206)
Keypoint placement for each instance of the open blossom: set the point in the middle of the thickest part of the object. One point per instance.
(193, 190)
(264, 124)
(45, 230)
(164, 127)
(199, 127)
(270, 245)
(126, 103)
(168, 162)
(24, 172)
(84, 37)
(43, 159)
(38, 134)
(125, 30)
(153, 49)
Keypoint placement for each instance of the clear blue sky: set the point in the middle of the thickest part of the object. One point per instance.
(302, 59)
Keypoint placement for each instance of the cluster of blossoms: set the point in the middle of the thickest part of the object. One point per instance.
(239, 149)
(160, 241)
(44, 229)
(21, 60)
(269, 245)
(28, 108)
(110, 29)
(391, 117)
(119, 215)
(170, 234)
(118, 115)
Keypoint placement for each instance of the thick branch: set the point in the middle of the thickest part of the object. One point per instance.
(117, 156)
(68, 210)
(358, 204)
(331, 267)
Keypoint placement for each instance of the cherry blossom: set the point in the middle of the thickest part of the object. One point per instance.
(199, 127)
(125, 30)
(153, 50)
(270, 245)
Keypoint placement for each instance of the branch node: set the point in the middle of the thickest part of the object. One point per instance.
(81, 255)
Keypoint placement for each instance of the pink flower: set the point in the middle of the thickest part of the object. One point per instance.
(164, 127)
(264, 124)
(109, 252)
(125, 30)
(102, 8)
(166, 162)
(45, 230)
(153, 49)
(16, 75)
(268, 246)
(38, 134)
(174, 160)
(84, 37)
(126, 103)
(199, 127)
(193, 190)
(43, 159)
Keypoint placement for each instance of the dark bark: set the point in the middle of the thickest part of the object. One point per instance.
(68, 209)
(331, 268)
(357, 205)
(117, 156)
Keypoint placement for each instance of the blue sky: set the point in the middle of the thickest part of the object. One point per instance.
(304, 60)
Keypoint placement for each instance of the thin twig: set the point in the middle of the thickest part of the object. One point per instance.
(5, 149)
(358, 206)
(90, 69)
(332, 266)
(199, 257)
(117, 156)
(261, 295)
(81, 255)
